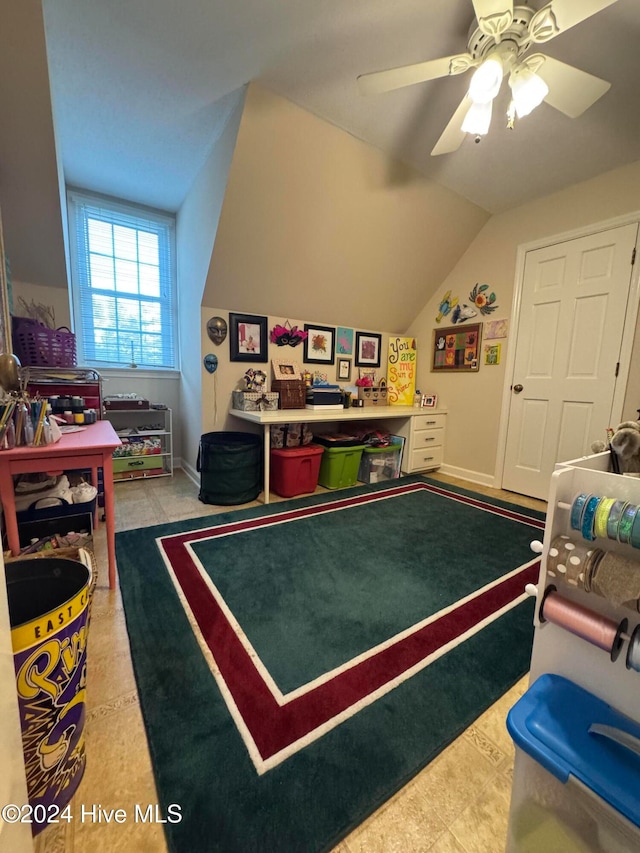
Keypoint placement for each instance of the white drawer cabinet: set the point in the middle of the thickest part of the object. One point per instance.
(424, 444)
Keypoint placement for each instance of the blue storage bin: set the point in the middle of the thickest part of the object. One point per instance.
(575, 788)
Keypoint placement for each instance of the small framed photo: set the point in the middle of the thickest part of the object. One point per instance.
(368, 349)
(429, 401)
(343, 373)
(285, 369)
(320, 344)
(248, 339)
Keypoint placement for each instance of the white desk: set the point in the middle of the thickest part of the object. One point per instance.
(311, 416)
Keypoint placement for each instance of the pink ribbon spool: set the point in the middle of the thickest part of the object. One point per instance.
(592, 627)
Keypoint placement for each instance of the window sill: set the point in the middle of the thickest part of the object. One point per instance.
(142, 373)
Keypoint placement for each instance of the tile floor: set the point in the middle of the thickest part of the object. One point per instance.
(458, 804)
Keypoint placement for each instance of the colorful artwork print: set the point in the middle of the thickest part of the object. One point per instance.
(492, 353)
(368, 349)
(344, 341)
(401, 371)
(496, 328)
(320, 344)
(456, 349)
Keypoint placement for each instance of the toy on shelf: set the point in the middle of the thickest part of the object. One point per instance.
(625, 447)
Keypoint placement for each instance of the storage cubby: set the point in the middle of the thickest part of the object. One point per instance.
(147, 449)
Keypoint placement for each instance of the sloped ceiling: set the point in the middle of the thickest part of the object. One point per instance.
(139, 86)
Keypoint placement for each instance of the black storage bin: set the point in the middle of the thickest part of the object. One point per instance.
(37, 522)
(230, 466)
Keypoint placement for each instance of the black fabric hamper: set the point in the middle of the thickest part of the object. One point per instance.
(230, 466)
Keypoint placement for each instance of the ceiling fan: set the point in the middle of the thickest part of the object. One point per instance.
(499, 46)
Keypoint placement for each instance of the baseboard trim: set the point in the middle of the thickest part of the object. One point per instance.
(191, 472)
(471, 476)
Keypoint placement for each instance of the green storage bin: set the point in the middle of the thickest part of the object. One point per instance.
(137, 463)
(339, 466)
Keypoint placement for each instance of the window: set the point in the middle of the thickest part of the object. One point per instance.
(123, 283)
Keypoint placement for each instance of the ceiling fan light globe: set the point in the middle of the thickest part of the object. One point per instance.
(486, 81)
(478, 119)
(529, 91)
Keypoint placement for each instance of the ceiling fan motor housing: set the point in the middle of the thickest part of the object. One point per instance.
(481, 45)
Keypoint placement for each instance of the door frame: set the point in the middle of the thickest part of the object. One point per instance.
(628, 334)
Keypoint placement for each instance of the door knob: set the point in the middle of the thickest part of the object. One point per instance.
(517, 389)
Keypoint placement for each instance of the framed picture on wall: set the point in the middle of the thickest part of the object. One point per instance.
(343, 373)
(457, 348)
(368, 349)
(248, 339)
(319, 347)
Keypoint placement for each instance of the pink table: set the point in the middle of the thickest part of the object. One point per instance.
(92, 448)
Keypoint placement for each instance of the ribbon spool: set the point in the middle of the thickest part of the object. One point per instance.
(569, 560)
(633, 652)
(592, 627)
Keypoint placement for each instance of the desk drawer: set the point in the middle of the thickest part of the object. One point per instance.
(425, 459)
(428, 438)
(429, 421)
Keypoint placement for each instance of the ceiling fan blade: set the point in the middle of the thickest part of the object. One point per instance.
(453, 134)
(560, 15)
(407, 75)
(571, 90)
(494, 16)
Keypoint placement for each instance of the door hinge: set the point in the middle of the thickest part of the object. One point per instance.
(633, 257)
(617, 368)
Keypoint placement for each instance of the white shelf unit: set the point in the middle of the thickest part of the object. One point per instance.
(561, 652)
(143, 424)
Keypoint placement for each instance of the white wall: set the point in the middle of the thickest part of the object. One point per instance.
(56, 298)
(197, 224)
(318, 223)
(474, 400)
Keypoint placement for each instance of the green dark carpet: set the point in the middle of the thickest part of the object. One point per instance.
(331, 625)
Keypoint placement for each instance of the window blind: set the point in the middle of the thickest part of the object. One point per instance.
(123, 283)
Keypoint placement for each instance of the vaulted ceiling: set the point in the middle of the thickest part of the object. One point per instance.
(138, 92)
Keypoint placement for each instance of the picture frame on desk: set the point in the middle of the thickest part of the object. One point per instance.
(286, 369)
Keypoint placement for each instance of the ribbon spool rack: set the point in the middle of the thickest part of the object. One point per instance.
(590, 569)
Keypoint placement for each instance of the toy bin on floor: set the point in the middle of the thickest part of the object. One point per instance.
(575, 790)
(294, 470)
(379, 463)
(230, 466)
(339, 466)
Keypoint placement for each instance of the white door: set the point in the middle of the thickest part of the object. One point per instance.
(573, 305)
